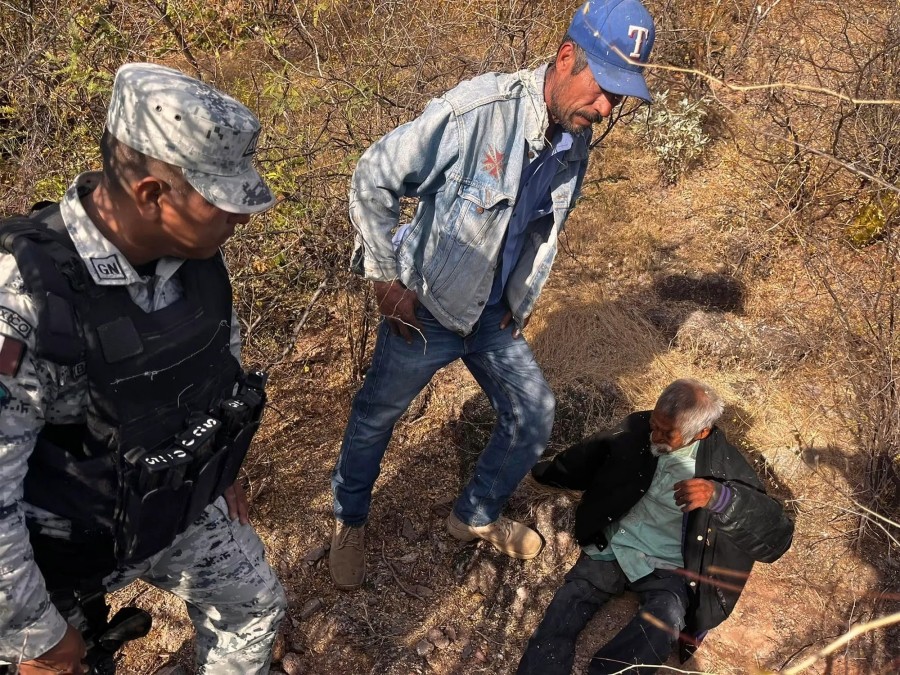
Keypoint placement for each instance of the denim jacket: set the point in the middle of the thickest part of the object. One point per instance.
(462, 158)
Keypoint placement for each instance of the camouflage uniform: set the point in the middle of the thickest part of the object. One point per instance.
(217, 565)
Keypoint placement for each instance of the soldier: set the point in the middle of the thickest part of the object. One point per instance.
(125, 412)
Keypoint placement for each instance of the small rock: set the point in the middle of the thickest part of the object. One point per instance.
(438, 639)
(422, 591)
(727, 338)
(480, 656)
(564, 544)
(278, 649)
(409, 531)
(483, 578)
(315, 555)
(450, 632)
(293, 664)
(409, 557)
(442, 508)
(424, 648)
(517, 608)
(310, 608)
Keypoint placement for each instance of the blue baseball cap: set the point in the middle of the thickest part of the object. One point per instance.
(617, 35)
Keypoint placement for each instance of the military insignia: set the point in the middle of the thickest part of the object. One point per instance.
(251, 146)
(12, 352)
(108, 267)
(4, 395)
(494, 162)
(11, 318)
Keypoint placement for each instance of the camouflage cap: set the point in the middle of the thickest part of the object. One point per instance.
(167, 115)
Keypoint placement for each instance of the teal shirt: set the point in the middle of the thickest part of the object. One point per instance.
(648, 537)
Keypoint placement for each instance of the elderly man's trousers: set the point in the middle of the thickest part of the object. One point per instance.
(507, 372)
(588, 585)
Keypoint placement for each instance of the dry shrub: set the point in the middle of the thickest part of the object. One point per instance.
(328, 78)
(830, 166)
(325, 78)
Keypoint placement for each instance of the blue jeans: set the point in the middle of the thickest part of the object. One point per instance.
(507, 372)
(589, 584)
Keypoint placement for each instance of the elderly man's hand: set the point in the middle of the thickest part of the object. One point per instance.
(694, 493)
(398, 305)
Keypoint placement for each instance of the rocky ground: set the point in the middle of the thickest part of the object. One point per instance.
(643, 293)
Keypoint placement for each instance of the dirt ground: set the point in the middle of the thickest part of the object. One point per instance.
(704, 278)
(639, 261)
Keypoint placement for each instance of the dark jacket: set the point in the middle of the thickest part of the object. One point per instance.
(616, 467)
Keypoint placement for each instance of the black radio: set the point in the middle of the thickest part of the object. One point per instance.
(167, 488)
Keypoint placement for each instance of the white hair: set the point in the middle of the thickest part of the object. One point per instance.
(692, 405)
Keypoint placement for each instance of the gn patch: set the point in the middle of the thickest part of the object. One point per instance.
(108, 268)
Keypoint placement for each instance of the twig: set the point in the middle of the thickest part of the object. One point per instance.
(640, 667)
(843, 640)
(295, 333)
(760, 87)
(162, 9)
(496, 642)
(397, 577)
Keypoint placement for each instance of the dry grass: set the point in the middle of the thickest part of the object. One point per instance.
(637, 259)
(603, 358)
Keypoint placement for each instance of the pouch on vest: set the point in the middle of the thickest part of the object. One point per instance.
(128, 473)
(165, 491)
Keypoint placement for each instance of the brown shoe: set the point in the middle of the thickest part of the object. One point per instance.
(347, 558)
(507, 536)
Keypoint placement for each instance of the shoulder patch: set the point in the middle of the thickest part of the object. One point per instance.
(108, 268)
(12, 352)
(13, 319)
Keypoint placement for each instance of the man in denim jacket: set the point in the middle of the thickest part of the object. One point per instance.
(496, 164)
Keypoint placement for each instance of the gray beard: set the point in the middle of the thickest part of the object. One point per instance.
(658, 449)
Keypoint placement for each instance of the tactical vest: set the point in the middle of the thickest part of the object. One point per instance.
(169, 413)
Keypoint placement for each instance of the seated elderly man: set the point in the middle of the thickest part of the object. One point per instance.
(671, 511)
